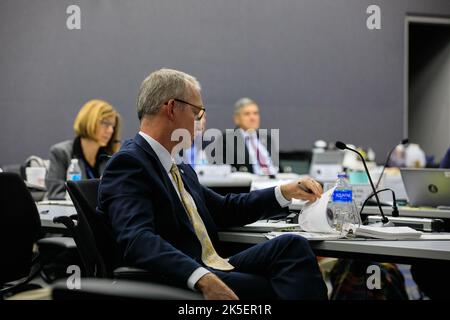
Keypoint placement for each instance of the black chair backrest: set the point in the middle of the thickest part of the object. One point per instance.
(20, 227)
(15, 168)
(93, 234)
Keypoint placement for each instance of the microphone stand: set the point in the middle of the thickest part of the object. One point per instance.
(384, 219)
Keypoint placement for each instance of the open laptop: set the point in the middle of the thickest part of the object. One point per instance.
(427, 187)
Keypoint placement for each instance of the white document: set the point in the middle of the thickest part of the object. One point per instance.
(267, 226)
(314, 215)
(388, 233)
(435, 236)
(307, 235)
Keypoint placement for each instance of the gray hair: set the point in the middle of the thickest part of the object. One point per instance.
(242, 102)
(161, 86)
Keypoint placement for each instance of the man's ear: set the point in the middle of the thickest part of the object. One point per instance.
(170, 110)
(236, 120)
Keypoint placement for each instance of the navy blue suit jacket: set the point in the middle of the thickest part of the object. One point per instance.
(149, 221)
(445, 163)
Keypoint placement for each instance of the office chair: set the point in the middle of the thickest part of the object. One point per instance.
(20, 229)
(92, 233)
(14, 168)
(94, 238)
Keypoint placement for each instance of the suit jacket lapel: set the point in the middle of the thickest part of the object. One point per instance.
(177, 205)
(102, 166)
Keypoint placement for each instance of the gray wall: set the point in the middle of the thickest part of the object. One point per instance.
(313, 66)
(429, 94)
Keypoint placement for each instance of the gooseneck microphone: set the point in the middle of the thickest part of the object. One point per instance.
(342, 146)
(403, 142)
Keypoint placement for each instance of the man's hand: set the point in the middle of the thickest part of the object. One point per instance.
(213, 288)
(303, 189)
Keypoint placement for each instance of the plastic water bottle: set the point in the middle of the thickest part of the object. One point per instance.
(342, 206)
(73, 173)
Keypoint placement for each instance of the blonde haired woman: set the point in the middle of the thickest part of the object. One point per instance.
(97, 129)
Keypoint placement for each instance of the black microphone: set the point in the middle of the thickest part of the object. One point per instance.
(384, 219)
(403, 142)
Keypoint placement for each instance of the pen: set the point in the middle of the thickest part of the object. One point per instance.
(304, 188)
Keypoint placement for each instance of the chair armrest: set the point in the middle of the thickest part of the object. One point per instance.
(123, 270)
(120, 289)
(58, 242)
(68, 222)
(50, 248)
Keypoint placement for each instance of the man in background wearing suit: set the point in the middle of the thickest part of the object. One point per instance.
(166, 222)
(445, 163)
(257, 156)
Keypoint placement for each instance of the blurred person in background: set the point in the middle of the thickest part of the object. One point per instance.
(97, 128)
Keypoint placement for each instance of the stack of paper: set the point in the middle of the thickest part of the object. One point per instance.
(388, 233)
(314, 215)
(267, 226)
(307, 235)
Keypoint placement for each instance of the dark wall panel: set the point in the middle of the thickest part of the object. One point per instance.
(313, 66)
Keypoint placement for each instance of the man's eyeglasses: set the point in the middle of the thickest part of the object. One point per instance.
(202, 109)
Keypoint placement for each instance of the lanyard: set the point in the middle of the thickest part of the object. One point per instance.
(89, 172)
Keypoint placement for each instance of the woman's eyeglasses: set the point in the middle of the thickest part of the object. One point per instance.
(106, 124)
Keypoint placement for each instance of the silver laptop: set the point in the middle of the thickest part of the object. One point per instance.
(427, 187)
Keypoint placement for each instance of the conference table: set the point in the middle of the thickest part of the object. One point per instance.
(48, 210)
(243, 182)
(400, 251)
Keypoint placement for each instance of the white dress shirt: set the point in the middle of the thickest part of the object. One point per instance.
(166, 160)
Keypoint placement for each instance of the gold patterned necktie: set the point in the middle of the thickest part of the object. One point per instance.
(209, 254)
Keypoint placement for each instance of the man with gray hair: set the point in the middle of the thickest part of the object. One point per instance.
(248, 148)
(166, 222)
